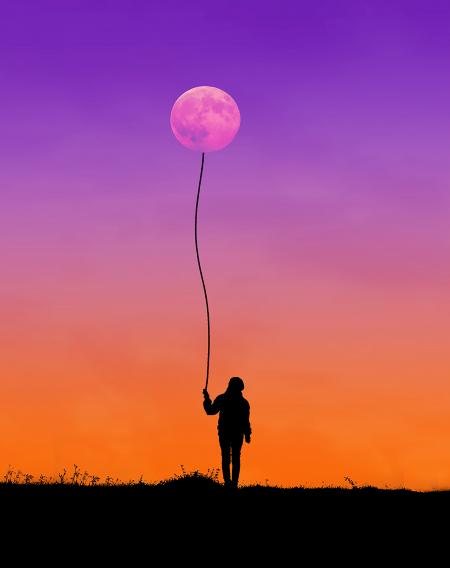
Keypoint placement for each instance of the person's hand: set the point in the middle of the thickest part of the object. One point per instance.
(205, 394)
(247, 438)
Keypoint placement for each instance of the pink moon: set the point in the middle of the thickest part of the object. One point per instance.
(205, 119)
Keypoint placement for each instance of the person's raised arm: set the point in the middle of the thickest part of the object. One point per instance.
(209, 406)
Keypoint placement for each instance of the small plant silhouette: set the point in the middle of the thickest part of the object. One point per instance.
(350, 481)
(62, 476)
(211, 473)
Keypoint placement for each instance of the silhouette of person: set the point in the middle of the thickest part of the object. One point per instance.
(233, 426)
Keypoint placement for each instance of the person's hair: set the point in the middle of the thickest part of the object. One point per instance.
(235, 384)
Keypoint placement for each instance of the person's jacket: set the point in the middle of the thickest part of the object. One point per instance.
(234, 413)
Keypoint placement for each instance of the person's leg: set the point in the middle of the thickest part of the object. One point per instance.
(225, 449)
(236, 457)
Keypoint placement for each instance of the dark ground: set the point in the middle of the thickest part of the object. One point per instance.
(195, 495)
(195, 518)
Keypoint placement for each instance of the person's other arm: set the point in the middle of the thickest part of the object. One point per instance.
(247, 427)
(209, 406)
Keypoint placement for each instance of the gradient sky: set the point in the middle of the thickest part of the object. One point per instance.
(323, 232)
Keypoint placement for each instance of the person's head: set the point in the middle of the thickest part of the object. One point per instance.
(235, 385)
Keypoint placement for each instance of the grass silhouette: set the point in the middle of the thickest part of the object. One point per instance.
(188, 481)
(193, 507)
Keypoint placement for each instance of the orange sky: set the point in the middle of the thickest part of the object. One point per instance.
(343, 378)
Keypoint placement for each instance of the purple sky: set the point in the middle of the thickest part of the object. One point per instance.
(347, 98)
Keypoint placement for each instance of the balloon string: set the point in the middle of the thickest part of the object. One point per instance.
(201, 274)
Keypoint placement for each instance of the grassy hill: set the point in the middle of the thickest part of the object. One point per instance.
(189, 513)
(200, 488)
